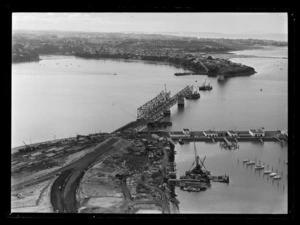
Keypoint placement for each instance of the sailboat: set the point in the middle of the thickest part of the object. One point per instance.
(273, 174)
(259, 166)
(250, 162)
(277, 177)
(268, 171)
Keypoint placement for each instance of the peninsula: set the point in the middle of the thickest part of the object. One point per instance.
(190, 53)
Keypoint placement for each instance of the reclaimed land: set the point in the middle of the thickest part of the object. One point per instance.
(100, 173)
(190, 53)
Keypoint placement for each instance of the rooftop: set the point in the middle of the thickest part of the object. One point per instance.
(256, 131)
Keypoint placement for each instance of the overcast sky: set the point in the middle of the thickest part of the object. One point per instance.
(227, 23)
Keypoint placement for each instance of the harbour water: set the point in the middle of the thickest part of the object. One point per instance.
(64, 95)
(240, 104)
(249, 190)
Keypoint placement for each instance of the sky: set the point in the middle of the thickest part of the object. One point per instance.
(227, 23)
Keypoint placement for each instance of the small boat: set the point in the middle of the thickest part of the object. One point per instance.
(250, 163)
(222, 179)
(277, 177)
(246, 160)
(259, 167)
(205, 87)
(220, 78)
(180, 142)
(273, 174)
(268, 171)
(194, 95)
(115, 74)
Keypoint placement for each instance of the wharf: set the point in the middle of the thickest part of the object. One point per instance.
(220, 136)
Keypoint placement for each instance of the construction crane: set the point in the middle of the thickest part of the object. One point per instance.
(198, 159)
(26, 146)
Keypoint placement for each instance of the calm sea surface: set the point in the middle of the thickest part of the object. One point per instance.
(64, 95)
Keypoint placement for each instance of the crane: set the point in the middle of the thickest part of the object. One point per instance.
(26, 146)
(198, 159)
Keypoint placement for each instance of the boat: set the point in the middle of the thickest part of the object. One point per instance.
(259, 167)
(190, 189)
(194, 95)
(222, 179)
(183, 74)
(204, 87)
(180, 142)
(220, 78)
(246, 160)
(115, 74)
(277, 177)
(250, 163)
(268, 171)
(273, 174)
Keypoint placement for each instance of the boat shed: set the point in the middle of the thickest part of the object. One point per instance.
(284, 132)
(210, 133)
(186, 131)
(232, 133)
(257, 133)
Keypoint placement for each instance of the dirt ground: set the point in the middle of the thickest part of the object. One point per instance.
(33, 199)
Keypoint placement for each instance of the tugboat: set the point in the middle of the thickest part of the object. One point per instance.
(193, 95)
(204, 87)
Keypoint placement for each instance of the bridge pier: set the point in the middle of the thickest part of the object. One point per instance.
(167, 112)
(180, 101)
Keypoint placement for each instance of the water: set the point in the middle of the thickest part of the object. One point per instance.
(249, 190)
(65, 95)
(239, 103)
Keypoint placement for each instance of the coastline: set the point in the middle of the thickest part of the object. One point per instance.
(201, 67)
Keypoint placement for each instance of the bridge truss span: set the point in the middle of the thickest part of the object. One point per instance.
(145, 110)
(154, 108)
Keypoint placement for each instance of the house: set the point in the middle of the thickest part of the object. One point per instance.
(284, 132)
(232, 133)
(257, 132)
(186, 131)
(210, 133)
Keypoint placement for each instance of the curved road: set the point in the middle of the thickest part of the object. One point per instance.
(63, 192)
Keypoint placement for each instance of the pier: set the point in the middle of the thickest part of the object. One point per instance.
(220, 136)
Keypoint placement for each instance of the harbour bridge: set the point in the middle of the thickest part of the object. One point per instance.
(154, 108)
